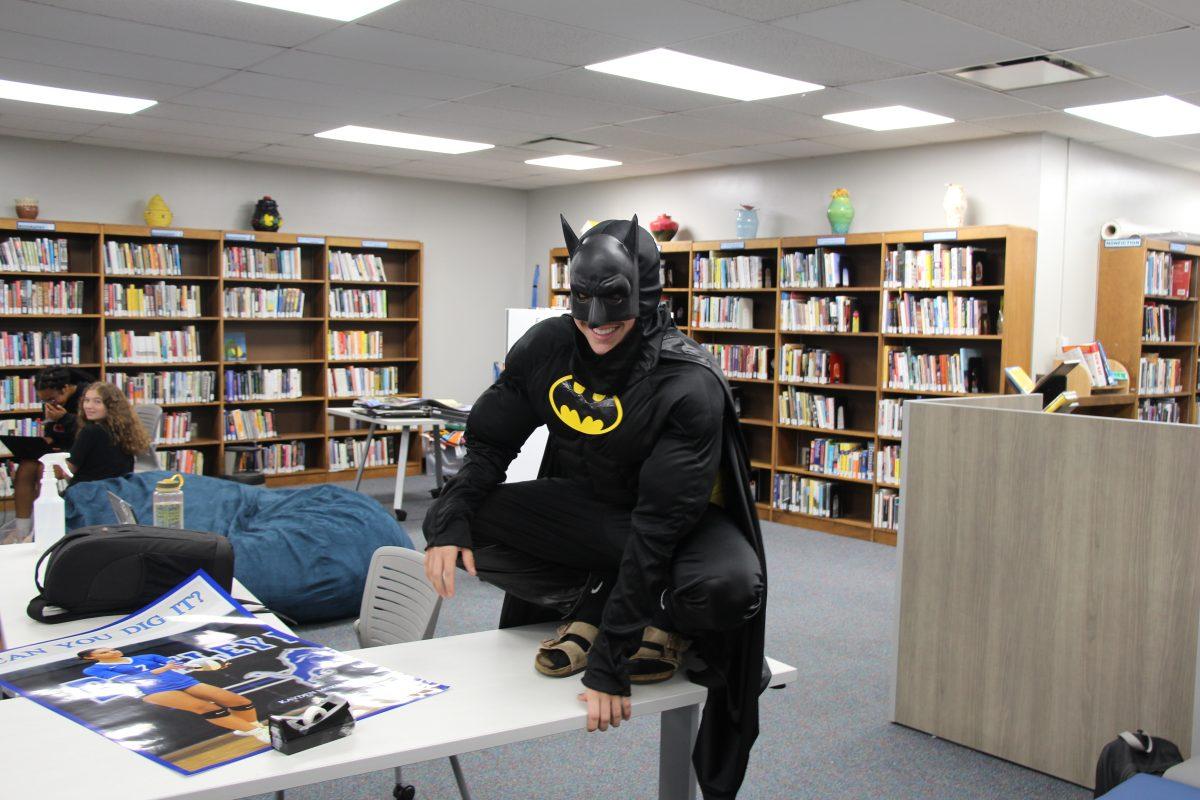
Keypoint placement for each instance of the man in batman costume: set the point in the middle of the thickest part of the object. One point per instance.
(641, 531)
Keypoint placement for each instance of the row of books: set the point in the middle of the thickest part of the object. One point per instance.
(886, 509)
(41, 297)
(353, 345)
(730, 272)
(263, 384)
(278, 458)
(362, 381)
(132, 258)
(175, 427)
(34, 255)
(255, 302)
(24, 426)
(722, 312)
(344, 266)
(187, 461)
(887, 464)
(941, 267)
(1160, 322)
(933, 372)
(797, 407)
(152, 300)
(801, 495)
(1167, 276)
(935, 316)
(563, 301)
(801, 364)
(838, 457)
(19, 394)
(1094, 359)
(38, 348)
(891, 417)
(181, 386)
(742, 360)
(560, 275)
(344, 452)
(243, 424)
(253, 262)
(838, 314)
(1159, 375)
(358, 303)
(1168, 410)
(818, 269)
(8, 476)
(170, 347)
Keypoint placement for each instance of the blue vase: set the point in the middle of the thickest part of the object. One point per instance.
(747, 222)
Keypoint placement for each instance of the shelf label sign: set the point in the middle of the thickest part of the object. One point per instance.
(373, 243)
(941, 236)
(310, 240)
(239, 237)
(1178, 247)
(1128, 241)
(166, 233)
(824, 241)
(733, 245)
(26, 225)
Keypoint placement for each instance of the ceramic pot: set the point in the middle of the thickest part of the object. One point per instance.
(157, 213)
(746, 223)
(954, 204)
(664, 228)
(840, 211)
(26, 207)
(266, 215)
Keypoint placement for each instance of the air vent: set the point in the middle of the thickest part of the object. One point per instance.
(1026, 72)
(557, 146)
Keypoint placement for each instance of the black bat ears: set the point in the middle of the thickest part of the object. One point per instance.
(631, 240)
(569, 236)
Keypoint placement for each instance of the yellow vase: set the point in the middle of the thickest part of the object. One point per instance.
(157, 213)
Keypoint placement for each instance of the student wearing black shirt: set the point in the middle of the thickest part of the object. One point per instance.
(109, 436)
(60, 389)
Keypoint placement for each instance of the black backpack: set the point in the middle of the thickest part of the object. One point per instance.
(1131, 753)
(117, 569)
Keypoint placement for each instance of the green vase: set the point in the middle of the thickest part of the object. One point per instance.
(840, 214)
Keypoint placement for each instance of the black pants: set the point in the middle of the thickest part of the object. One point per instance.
(551, 543)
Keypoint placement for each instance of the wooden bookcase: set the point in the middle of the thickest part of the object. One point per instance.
(288, 342)
(1008, 256)
(1121, 300)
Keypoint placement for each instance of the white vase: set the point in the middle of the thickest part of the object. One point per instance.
(955, 205)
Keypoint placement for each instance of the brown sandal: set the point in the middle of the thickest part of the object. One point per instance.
(658, 657)
(572, 640)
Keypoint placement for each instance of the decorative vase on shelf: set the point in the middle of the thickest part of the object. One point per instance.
(746, 223)
(664, 228)
(26, 207)
(955, 205)
(157, 213)
(840, 211)
(266, 215)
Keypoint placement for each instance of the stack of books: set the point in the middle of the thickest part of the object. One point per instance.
(41, 297)
(723, 312)
(935, 316)
(38, 348)
(891, 417)
(737, 272)
(354, 345)
(171, 347)
(252, 302)
(175, 428)
(131, 258)
(837, 314)
(274, 459)
(190, 462)
(819, 269)
(888, 465)
(26, 426)
(357, 303)
(343, 453)
(152, 300)
(1168, 410)
(942, 267)
(262, 384)
(742, 360)
(245, 424)
(1159, 322)
(366, 267)
(810, 496)
(362, 381)
(933, 372)
(798, 407)
(176, 386)
(19, 394)
(36, 255)
(254, 262)
(842, 458)
(800, 364)
(1160, 375)
(1167, 276)
(887, 509)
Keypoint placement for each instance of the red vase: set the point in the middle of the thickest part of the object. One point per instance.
(664, 228)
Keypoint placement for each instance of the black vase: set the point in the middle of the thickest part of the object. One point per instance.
(266, 215)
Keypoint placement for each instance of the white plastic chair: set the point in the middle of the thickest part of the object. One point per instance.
(150, 415)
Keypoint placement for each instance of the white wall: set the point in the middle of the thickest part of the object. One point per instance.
(474, 236)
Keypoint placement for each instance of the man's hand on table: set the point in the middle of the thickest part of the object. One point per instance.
(605, 709)
(440, 563)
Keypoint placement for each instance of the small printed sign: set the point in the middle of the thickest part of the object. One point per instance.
(733, 245)
(169, 233)
(26, 225)
(1178, 247)
(1128, 241)
(239, 237)
(310, 240)
(827, 241)
(941, 236)
(373, 243)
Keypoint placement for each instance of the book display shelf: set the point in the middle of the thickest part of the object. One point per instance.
(1146, 319)
(823, 338)
(245, 338)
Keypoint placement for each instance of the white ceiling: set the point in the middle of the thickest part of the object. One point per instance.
(252, 83)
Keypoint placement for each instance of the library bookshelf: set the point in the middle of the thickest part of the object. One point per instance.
(1007, 259)
(1124, 298)
(290, 297)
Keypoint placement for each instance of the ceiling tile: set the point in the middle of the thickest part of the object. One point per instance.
(801, 148)
(1059, 124)
(280, 107)
(307, 162)
(1167, 63)
(305, 92)
(51, 75)
(234, 119)
(621, 136)
(24, 133)
(163, 142)
(737, 155)
(455, 130)
(469, 168)
(1080, 93)
(764, 118)
(794, 55)
(1186, 10)
(191, 128)
(584, 83)
(871, 140)
(818, 104)
(582, 110)
(44, 124)
(955, 132)
(535, 125)
(946, 96)
(656, 22)
(373, 77)
(767, 10)
(348, 155)
(226, 18)
(930, 41)
(39, 111)
(133, 37)
(709, 131)
(503, 31)
(1057, 24)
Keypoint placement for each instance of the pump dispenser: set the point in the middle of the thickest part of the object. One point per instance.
(50, 510)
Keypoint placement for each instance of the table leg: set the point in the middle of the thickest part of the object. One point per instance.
(437, 459)
(676, 778)
(362, 455)
(401, 468)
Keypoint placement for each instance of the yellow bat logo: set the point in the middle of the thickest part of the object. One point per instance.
(584, 411)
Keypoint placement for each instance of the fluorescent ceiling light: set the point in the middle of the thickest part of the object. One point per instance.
(682, 71)
(889, 118)
(1150, 116)
(573, 162)
(408, 141)
(70, 98)
(343, 10)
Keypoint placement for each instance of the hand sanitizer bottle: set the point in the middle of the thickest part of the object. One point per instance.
(50, 510)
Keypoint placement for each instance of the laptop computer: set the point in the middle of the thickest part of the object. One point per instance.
(27, 447)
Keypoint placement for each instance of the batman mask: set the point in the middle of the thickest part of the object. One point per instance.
(604, 275)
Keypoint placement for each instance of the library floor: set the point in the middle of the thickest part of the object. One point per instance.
(826, 737)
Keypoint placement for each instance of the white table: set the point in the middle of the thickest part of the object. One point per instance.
(406, 425)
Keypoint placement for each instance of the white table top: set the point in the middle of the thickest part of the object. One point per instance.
(385, 422)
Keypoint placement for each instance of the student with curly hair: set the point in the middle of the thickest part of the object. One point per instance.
(109, 436)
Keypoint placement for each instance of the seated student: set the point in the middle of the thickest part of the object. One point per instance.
(60, 390)
(108, 438)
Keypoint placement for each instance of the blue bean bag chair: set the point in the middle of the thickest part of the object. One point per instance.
(303, 551)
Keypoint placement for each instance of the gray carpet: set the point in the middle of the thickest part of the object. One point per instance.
(826, 737)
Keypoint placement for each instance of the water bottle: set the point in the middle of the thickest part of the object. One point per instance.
(168, 502)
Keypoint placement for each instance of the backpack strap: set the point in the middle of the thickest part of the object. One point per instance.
(54, 548)
(1140, 741)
